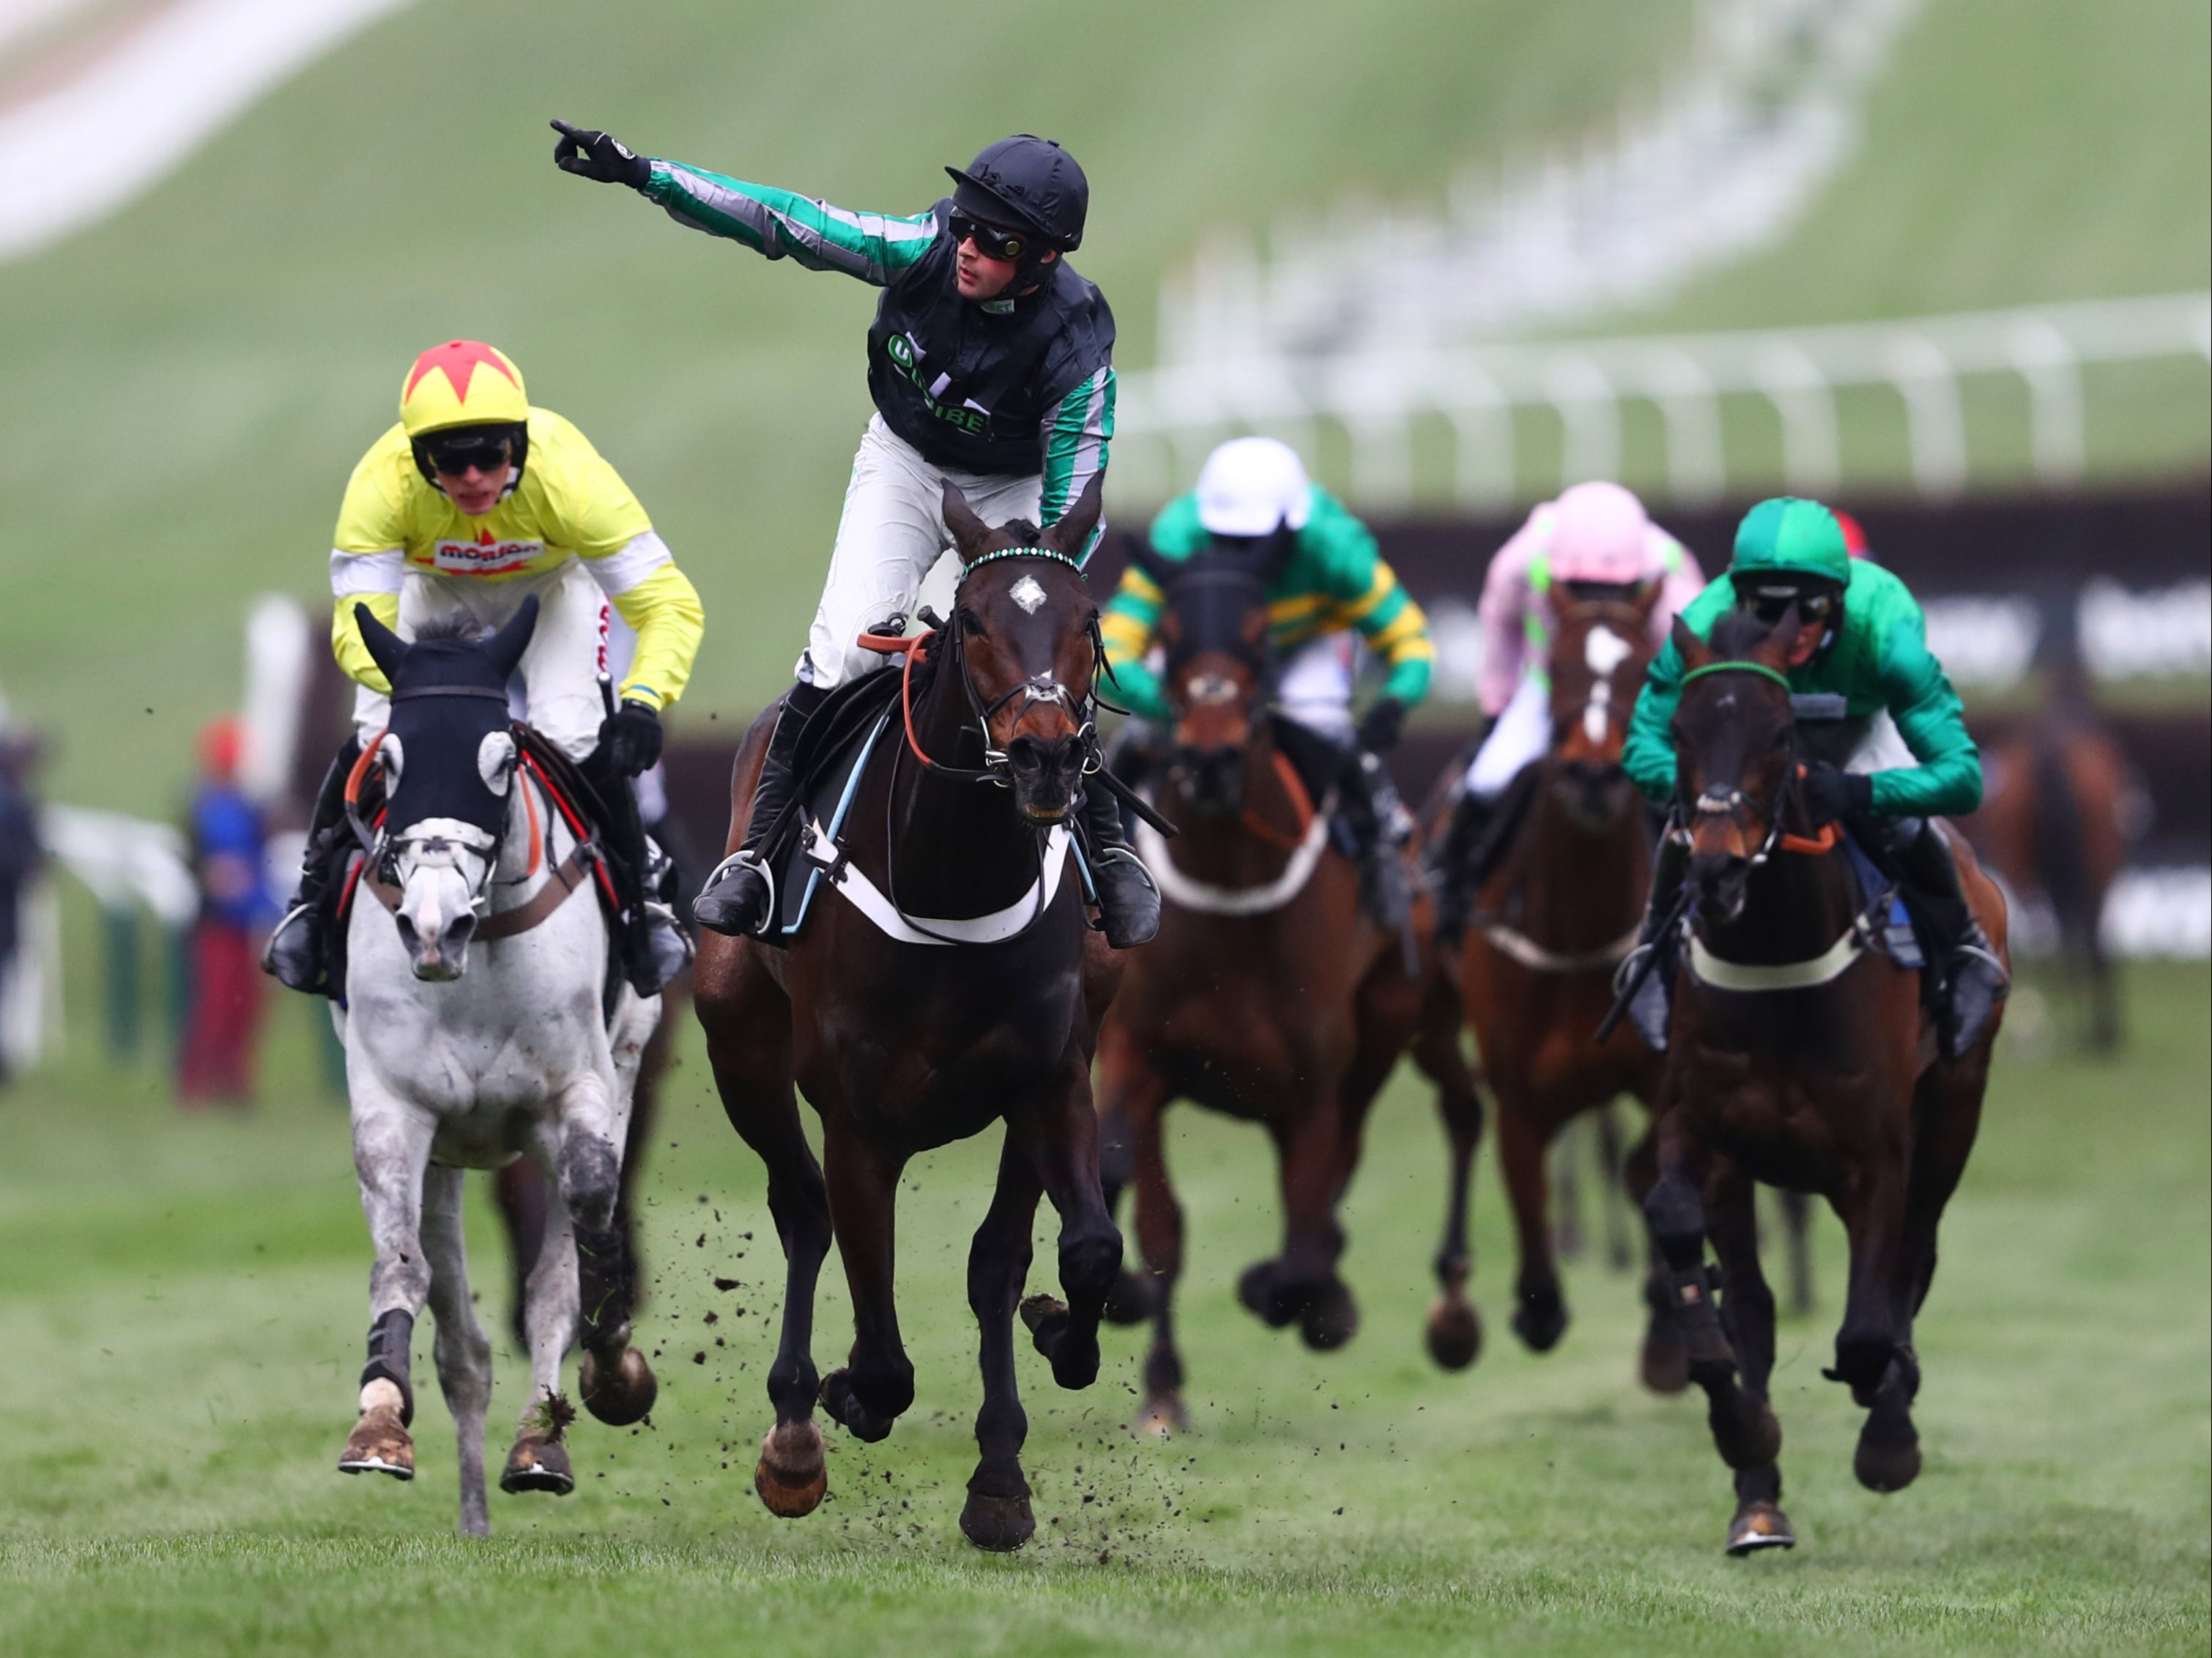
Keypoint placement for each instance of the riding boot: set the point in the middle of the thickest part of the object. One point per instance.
(654, 945)
(1128, 897)
(1651, 1009)
(1450, 866)
(739, 896)
(299, 950)
(1970, 980)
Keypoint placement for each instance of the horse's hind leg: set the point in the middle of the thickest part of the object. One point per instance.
(592, 1127)
(1662, 1363)
(1061, 1138)
(1748, 1314)
(1454, 1327)
(1619, 1244)
(1797, 1236)
(1540, 1313)
(462, 1350)
(1302, 1283)
(875, 1385)
(1567, 1190)
(391, 1154)
(539, 1460)
(997, 1514)
(1125, 1074)
(1159, 1239)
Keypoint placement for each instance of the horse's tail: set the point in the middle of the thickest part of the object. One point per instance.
(2060, 844)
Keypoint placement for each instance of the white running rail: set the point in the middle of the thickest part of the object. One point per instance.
(1169, 415)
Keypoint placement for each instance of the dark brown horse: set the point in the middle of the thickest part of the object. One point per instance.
(903, 1042)
(1549, 925)
(1799, 1056)
(1271, 994)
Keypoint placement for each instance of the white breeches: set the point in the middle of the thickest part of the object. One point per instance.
(1882, 748)
(891, 532)
(1521, 734)
(561, 666)
(1313, 685)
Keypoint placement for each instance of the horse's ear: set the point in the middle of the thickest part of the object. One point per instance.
(1648, 600)
(1071, 533)
(505, 647)
(1274, 552)
(1780, 638)
(1693, 651)
(386, 649)
(971, 535)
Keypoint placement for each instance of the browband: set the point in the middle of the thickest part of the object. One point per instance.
(1020, 552)
(1780, 678)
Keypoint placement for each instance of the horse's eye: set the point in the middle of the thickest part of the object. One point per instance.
(969, 621)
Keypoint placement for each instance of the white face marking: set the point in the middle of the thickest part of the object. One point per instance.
(1027, 594)
(1594, 711)
(1604, 650)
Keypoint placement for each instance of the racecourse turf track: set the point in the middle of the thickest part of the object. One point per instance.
(180, 1317)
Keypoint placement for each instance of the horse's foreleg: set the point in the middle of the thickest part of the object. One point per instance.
(1125, 1077)
(1302, 1283)
(1454, 1327)
(874, 1387)
(1539, 1310)
(1663, 1364)
(1747, 1316)
(1873, 1210)
(463, 1350)
(539, 1460)
(1061, 1138)
(590, 1128)
(997, 1514)
(1567, 1193)
(1797, 1234)
(390, 1154)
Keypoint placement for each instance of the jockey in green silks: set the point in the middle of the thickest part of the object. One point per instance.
(1333, 582)
(1875, 706)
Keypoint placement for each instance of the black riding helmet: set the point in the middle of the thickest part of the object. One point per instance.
(1026, 183)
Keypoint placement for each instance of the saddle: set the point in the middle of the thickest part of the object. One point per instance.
(834, 745)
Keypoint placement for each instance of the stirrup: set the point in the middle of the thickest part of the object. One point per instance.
(746, 858)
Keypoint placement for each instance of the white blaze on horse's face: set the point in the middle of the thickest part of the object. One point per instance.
(1603, 650)
(1027, 594)
(441, 866)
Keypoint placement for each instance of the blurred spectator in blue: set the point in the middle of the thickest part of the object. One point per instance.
(21, 852)
(223, 1017)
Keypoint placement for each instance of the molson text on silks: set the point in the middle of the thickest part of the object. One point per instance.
(486, 556)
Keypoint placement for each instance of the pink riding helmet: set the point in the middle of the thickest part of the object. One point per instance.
(1599, 533)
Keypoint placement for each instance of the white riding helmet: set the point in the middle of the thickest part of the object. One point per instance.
(1249, 485)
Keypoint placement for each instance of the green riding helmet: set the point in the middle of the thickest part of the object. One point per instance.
(1788, 550)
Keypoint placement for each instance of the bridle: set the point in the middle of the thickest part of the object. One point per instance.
(1737, 806)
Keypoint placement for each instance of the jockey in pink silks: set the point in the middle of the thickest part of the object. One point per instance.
(1595, 542)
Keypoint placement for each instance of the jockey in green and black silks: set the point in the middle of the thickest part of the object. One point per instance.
(1888, 747)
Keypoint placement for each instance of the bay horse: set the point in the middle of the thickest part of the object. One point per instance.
(530, 1051)
(1271, 994)
(903, 1040)
(1550, 923)
(1803, 1056)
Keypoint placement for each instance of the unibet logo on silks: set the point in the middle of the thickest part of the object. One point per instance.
(485, 556)
(901, 349)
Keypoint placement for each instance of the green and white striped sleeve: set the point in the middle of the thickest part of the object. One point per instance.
(782, 223)
(1077, 434)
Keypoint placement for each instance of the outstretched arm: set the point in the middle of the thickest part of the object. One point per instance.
(783, 224)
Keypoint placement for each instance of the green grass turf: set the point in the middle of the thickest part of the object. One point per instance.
(180, 1326)
(189, 384)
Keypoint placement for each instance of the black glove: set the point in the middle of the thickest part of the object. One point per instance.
(1830, 792)
(631, 739)
(1378, 731)
(590, 154)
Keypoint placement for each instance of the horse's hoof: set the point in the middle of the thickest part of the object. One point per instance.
(1256, 1290)
(1664, 1363)
(791, 1476)
(1745, 1431)
(1331, 1319)
(1888, 1455)
(1759, 1525)
(379, 1445)
(845, 1408)
(1130, 1300)
(538, 1464)
(1540, 1323)
(621, 1395)
(999, 1524)
(1454, 1332)
(1162, 1417)
(1047, 1318)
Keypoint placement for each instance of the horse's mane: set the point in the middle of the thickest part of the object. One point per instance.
(461, 628)
(1024, 533)
(1737, 635)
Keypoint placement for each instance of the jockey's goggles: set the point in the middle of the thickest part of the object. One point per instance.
(992, 241)
(1771, 600)
(453, 453)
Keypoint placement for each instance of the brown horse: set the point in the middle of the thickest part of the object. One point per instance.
(904, 1041)
(1270, 994)
(1799, 1056)
(1549, 925)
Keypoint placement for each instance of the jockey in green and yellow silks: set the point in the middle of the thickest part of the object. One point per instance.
(1333, 584)
(1876, 709)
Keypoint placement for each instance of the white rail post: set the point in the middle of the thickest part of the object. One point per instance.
(1696, 459)
(1589, 410)
(2057, 437)
(1935, 426)
(1811, 459)
(1483, 469)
